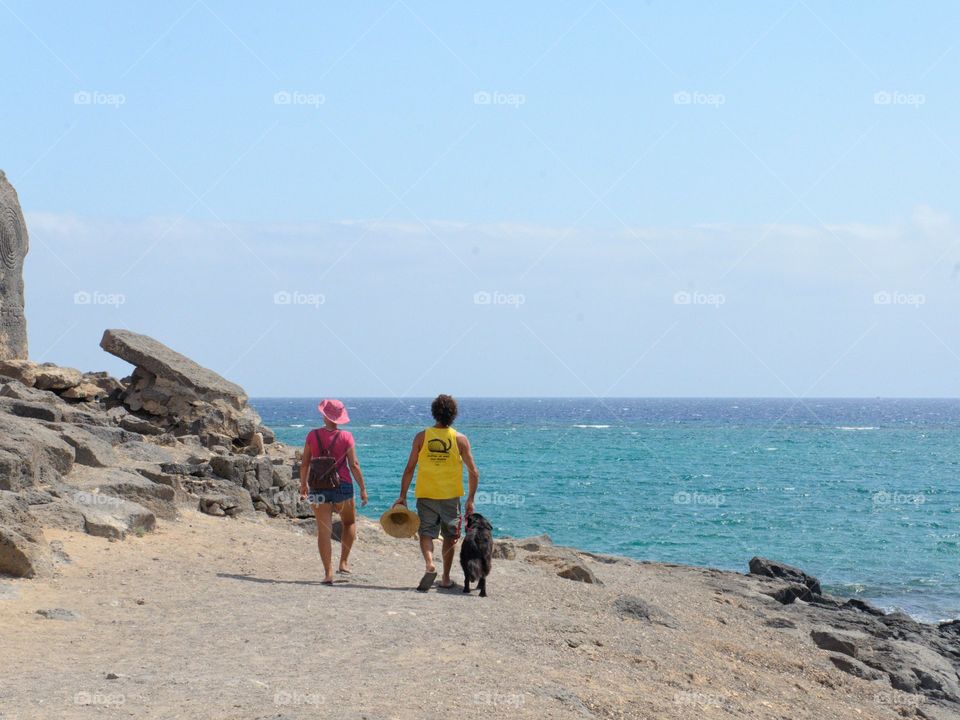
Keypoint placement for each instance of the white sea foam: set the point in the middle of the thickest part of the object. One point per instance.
(300, 425)
(854, 427)
(377, 425)
(600, 427)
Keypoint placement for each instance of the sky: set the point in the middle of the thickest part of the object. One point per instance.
(508, 199)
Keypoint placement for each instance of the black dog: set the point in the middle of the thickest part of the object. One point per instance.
(476, 553)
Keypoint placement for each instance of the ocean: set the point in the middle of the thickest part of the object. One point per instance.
(864, 494)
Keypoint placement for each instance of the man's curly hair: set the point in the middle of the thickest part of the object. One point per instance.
(444, 410)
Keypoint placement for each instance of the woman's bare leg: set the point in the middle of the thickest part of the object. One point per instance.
(323, 513)
(348, 517)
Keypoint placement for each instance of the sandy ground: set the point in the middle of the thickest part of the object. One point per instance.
(219, 618)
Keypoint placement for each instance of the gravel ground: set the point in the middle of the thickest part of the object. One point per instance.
(220, 618)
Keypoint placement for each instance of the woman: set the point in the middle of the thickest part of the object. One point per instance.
(339, 444)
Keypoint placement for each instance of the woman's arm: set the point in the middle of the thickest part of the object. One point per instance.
(354, 463)
(304, 468)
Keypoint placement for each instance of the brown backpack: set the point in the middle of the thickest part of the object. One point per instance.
(324, 469)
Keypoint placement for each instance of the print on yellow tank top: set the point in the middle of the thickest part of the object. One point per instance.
(439, 466)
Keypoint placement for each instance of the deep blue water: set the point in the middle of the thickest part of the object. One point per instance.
(864, 494)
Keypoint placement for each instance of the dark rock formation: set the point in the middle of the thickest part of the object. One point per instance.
(796, 576)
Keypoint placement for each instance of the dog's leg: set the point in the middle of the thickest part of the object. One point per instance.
(466, 583)
(482, 584)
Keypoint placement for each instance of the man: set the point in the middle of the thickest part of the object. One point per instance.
(441, 452)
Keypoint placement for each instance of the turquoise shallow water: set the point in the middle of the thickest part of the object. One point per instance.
(863, 493)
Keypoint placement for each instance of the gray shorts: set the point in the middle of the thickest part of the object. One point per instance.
(439, 517)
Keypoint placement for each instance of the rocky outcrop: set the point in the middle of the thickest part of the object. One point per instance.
(182, 396)
(30, 454)
(863, 641)
(14, 244)
(23, 550)
(792, 575)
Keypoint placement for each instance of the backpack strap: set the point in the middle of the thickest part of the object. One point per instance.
(330, 451)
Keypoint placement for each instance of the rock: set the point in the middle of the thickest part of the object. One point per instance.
(212, 506)
(13, 388)
(96, 485)
(630, 606)
(255, 448)
(789, 593)
(771, 568)
(136, 424)
(579, 572)
(166, 364)
(863, 606)
(214, 493)
(60, 513)
(52, 377)
(58, 614)
(21, 369)
(14, 244)
(780, 623)
(88, 448)
(254, 474)
(847, 643)
(31, 409)
(111, 517)
(46, 376)
(854, 667)
(504, 550)
(187, 398)
(23, 550)
(534, 544)
(31, 454)
(84, 391)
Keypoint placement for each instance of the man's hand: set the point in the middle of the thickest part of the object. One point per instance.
(469, 508)
(400, 501)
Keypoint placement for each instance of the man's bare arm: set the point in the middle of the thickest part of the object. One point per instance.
(473, 475)
(411, 466)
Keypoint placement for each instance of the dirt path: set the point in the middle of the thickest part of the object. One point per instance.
(217, 618)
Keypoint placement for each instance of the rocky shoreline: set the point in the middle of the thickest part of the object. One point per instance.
(85, 452)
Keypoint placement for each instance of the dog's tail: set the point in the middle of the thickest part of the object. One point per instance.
(474, 569)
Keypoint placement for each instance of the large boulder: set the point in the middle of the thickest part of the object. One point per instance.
(770, 568)
(111, 517)
(23, 550)
(14, 244)
(116, 483)
(31, 454)
(183, 396)
(43, 376)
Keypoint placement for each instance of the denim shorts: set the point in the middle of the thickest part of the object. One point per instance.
(340, 494)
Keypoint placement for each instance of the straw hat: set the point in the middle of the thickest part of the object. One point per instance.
(400, 522)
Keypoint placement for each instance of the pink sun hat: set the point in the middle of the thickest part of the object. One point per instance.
(334, 411)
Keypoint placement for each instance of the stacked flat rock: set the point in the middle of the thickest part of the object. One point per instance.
(185, 397)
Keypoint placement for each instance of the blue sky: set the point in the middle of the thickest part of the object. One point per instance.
(401, 198)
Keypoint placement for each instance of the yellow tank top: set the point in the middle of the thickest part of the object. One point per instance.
(439, 466)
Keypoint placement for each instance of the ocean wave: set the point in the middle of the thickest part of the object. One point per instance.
(297, 425)
(855, 427)
(377, 425)
(599, 427)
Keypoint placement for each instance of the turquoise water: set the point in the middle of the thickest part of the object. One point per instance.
(864, 494)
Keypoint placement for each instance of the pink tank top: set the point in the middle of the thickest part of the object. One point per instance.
(344, 441)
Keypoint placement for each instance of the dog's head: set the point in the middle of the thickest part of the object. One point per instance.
(476, 521)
